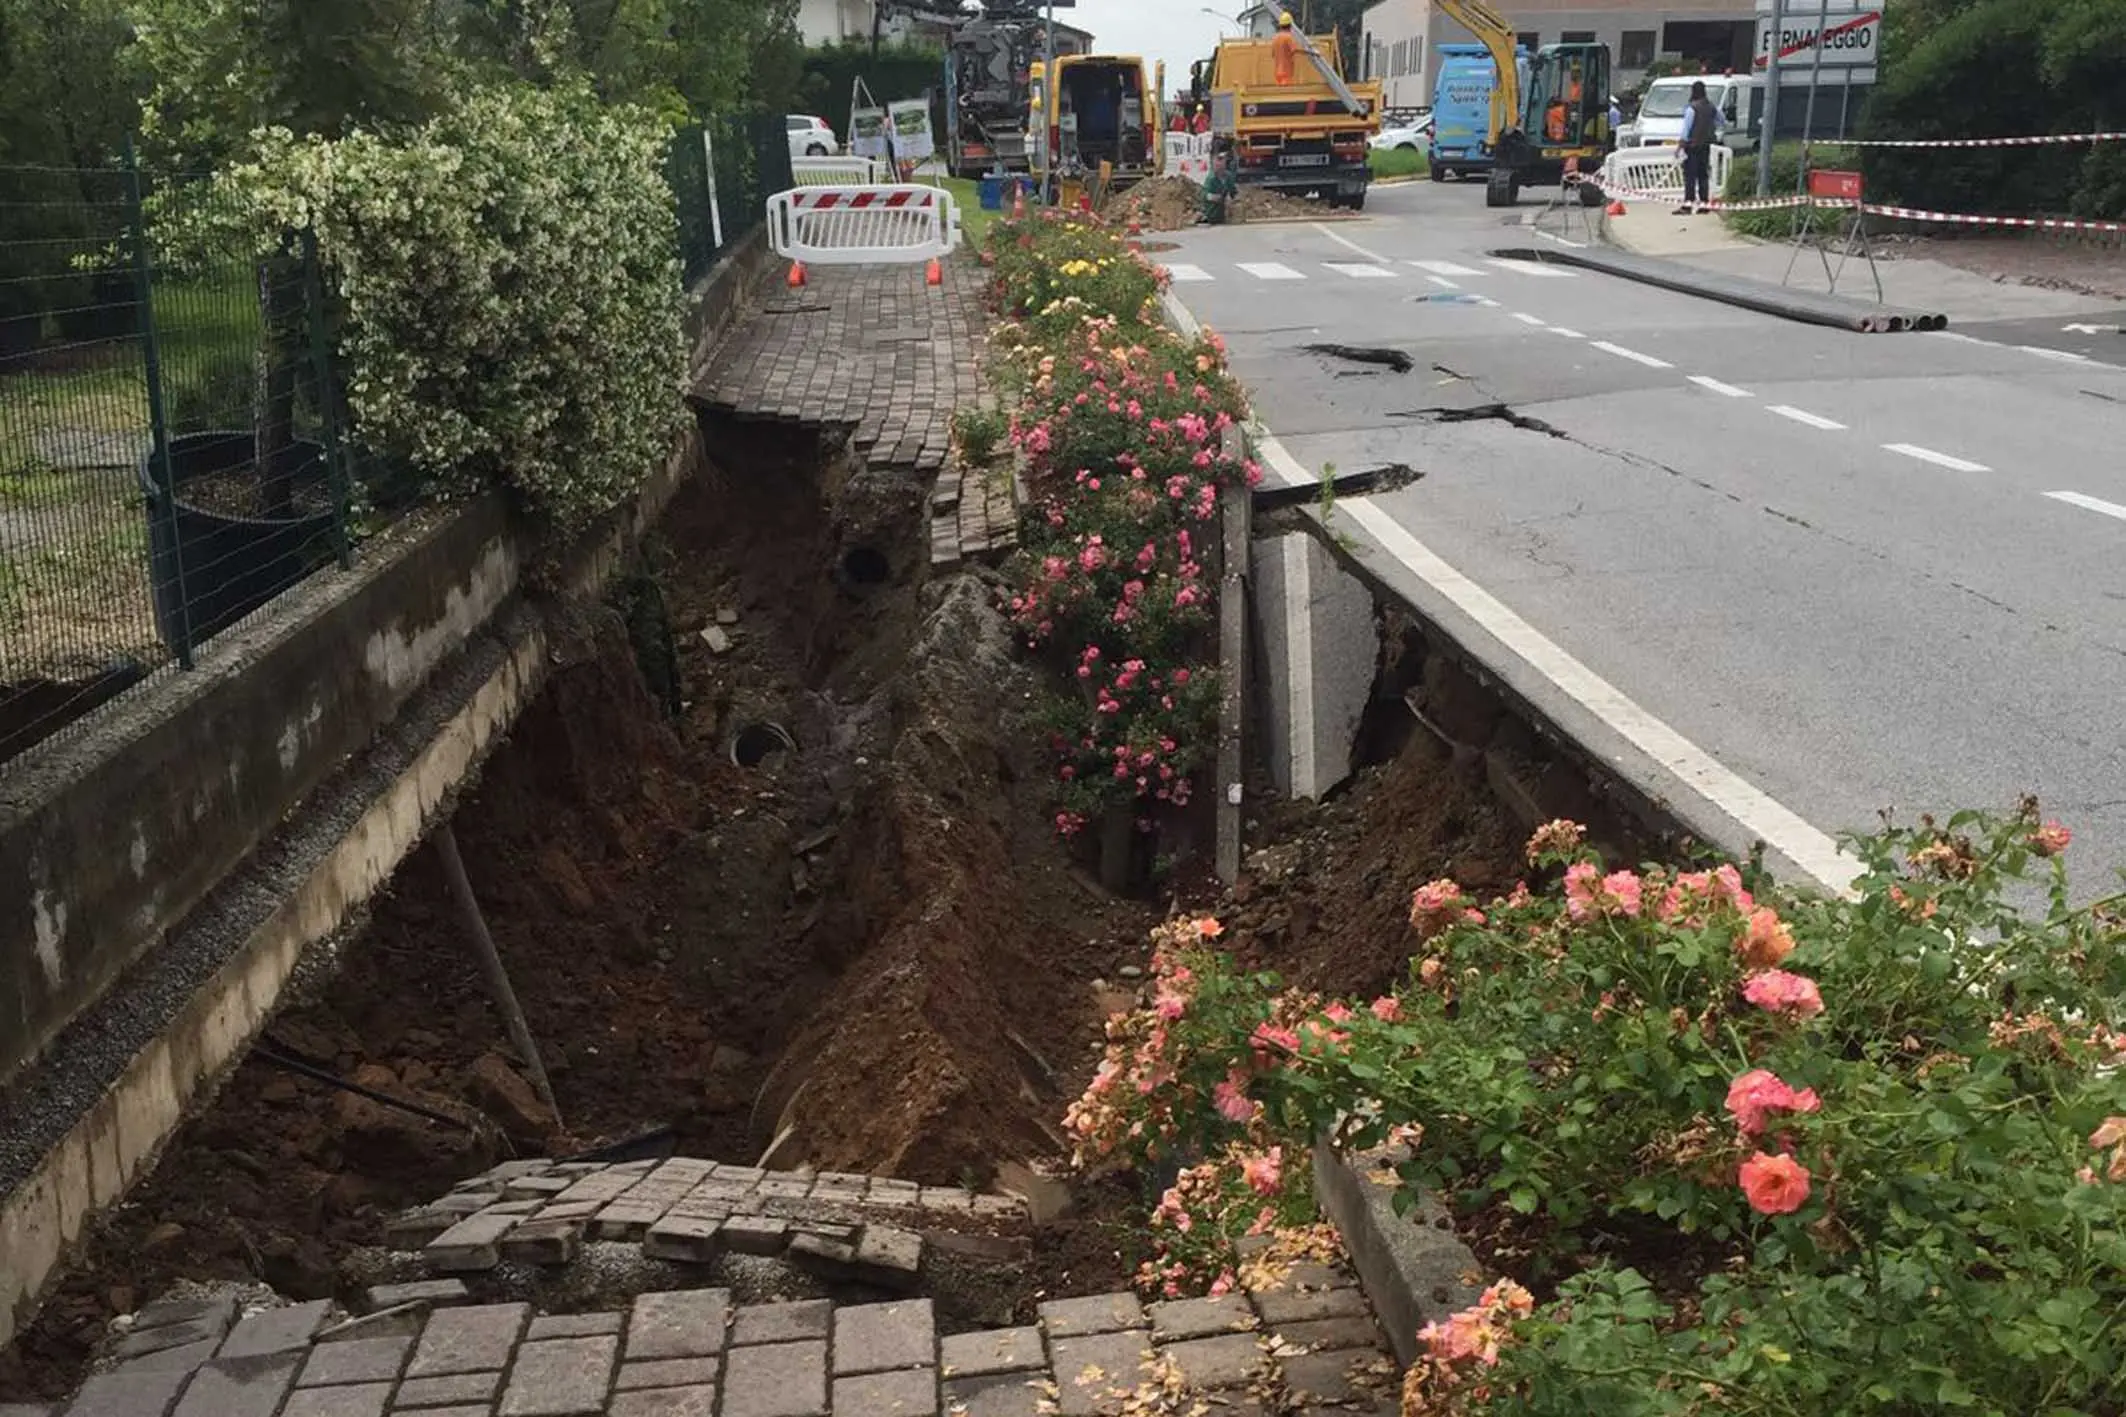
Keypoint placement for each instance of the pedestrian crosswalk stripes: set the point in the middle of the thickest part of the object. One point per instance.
(1446, 268)
(1437, 273)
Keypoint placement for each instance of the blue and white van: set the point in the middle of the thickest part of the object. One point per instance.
(1461, 108)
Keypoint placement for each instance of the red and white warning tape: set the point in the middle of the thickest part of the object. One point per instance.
(1767, 204)
(2040, 140)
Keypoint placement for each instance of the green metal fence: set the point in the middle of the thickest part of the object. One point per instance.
(174, 445)
(171, 446)
(750, 159)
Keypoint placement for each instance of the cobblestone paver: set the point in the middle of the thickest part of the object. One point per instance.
(870, 348)
(1306, 1345)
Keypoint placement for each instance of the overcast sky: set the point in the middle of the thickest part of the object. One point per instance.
(1174, 30)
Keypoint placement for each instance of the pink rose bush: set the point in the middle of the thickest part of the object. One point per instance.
(1722, 1140)
(1123, 429)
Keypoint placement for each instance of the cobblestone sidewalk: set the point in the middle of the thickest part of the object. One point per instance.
(1302, 1342)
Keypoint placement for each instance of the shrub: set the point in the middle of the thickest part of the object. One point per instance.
(979, 430)
(509, 285)
(1122, 424)
(1765, 1153)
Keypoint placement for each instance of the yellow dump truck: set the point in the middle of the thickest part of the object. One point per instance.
(1305, 137)
(1100, 115)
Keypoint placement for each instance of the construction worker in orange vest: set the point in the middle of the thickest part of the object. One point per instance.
(1202, 122)
(1284, 49)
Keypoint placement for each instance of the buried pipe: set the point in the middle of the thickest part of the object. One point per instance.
(483, 948)
(1274, 498)
(755, 743)
(1834, 311)
(273, 1054)
(864, 567)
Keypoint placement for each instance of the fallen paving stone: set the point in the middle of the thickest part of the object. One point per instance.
(1096, 1313)
(363, 1360)
(626, 1220)
(574, 1325)
(468, 1388)
(277, 1330)
(468, 1340)
(1179, 1319)
(683, 1238)
(127, 1393)
(947, 1198)
(981, 1355)
(217, 1311)
(755, 1234)
(142, 1342)
(829, 1259)
(776, 1380)
(543, 1242)
(239, 1387)
(904, 1394)
(782, 1323)
(679, 1323)
(562, 1377)
(889, 1258)
(474, 1243)
(365, 1400)
(873, 1338)
(181, 1359)
(437, 1293)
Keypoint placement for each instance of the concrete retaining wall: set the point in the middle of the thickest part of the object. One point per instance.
(178, 858)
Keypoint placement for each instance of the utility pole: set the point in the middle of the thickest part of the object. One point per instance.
(1808, 123)
(1770, 134)
(1050, 101)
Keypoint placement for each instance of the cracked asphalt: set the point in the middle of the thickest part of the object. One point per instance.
(1860, 572)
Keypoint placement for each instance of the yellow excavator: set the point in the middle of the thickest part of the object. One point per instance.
(1562, 116)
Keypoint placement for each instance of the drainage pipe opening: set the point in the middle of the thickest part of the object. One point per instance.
(866, 566)
(757, 743)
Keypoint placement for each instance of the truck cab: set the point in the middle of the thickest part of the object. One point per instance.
(1308, 137)
(1461, 109)
(1659, 123)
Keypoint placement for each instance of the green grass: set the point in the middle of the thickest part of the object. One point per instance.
(1397, 162)
(974, 222)
(1780, 223)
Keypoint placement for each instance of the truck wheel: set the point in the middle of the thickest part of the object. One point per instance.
(1356, 201)
(1501, 189)
(1439, 174)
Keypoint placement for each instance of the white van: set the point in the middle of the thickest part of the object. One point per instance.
(1659, 123)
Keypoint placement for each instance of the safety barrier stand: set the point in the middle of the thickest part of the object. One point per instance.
(849, 171)
(1832, 190)
(863, 225)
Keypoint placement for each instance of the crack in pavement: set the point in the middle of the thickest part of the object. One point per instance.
(1396, 359)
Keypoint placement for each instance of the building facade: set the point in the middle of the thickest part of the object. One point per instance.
(1403, 37)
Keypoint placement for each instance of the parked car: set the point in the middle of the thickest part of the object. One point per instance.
(1413, 134)
(810, 137)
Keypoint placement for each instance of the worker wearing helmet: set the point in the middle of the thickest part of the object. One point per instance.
(1202, 121)
(1284, 49)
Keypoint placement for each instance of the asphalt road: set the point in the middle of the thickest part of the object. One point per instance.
(1844, 573)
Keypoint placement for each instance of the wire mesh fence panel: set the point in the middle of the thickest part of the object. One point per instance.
(168, 425)
(722, 174)
(77, 621)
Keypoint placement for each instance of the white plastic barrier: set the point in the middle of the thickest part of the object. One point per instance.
(1658, 172)
(834, 171)
(862, 225)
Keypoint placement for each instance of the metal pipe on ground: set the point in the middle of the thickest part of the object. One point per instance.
(483, 945)
(1834, 311)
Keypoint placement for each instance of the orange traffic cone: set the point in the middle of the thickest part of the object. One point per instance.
(1018, 202)
(797, 274)
(932, 274)
(1616, 209)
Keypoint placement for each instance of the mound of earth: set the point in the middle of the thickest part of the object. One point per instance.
(1161, 204)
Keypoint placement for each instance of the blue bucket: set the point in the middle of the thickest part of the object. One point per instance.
(990, 192)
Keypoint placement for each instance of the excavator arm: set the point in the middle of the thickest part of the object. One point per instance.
(1496, 35)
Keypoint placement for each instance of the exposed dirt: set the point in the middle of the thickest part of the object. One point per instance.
(878, 926)
(2035, 260)
(1159, 204)
(1261, 204)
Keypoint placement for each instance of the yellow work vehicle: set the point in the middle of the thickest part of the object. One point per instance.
(1307, 137)
(1559, 118)
(1098, 123)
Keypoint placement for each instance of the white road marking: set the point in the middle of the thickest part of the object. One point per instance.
(1758, 813)
(1270, 270)
(2065, 356)
(2089, 330)
(1446, 268)
(1486, 301)
(1725, 390)
(1360, 272)
(1632, 354)
(1347, 243)
(1913, 450)
(1528, 268)
(2090, 504)
(1443, 283)
(1183, 272)
(1569, 334)
(1530, 319)
(1813, 420)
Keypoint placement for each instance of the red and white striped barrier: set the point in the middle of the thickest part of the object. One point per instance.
(1770, 204)
(2037, 141)
(867, 225)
